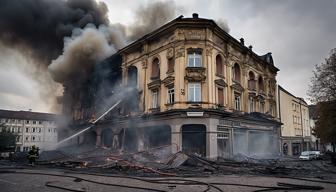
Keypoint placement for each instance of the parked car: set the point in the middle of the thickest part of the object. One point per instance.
(317, 154)
(307, 155)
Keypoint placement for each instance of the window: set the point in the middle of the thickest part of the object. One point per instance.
(251, 105)
(155, 97)
(34, 122)
(261, 84)
(27, 121)
(54, 130)
(34, 129)
(27, 129)
(33, 138)
(220, 92)
(171, 96)
(27, 138)
(194, 60)
(219, 65)
(237, 102)
(262, 107)
(155, 69)
(49, 130)
(170, 65)
(236, 73)
(19, 129)
(39, 130)
(40, 122)
(251, 81)
(194, 92)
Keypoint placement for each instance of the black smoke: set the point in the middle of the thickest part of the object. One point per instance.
(37, 27)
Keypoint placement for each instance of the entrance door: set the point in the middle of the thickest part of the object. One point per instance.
(194, 139)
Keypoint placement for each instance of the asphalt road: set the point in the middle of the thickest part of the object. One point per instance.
(51, 180)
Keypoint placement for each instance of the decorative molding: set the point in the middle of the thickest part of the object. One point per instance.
(179, 52)
(221, 82)
(169, 80)
(170, 53)
(194, 35)
(237, 86)
(154, 84)
(144, 64)
(195, 74)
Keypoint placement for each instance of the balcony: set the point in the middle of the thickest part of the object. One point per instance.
(195, 74)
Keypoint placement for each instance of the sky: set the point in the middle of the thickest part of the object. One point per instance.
(299, 33)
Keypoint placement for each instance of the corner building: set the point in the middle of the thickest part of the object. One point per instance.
(198, 89)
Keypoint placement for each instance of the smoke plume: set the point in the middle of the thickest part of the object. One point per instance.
(82, 50)
(151, 17)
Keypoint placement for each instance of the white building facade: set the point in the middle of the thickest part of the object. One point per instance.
(30, 128)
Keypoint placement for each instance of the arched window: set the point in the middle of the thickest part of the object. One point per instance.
(251, 81)
(155, 69)
(261, 84)
(219, 66)
(236, 73)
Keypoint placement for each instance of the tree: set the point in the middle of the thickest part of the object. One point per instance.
(7, 139)
(323, 92)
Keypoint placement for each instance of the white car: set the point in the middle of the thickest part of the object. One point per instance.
(307, 155)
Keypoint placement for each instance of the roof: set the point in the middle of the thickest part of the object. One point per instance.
(27, 115)
(197, 22)
(287, 92)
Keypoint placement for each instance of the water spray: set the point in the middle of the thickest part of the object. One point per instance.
(89, 127)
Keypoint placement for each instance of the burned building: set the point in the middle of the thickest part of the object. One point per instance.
(188, 84)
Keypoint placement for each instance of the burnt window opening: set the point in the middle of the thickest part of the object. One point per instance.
(171, 64)
(261, 84)
(220, 92)
(132, 76)
(194, 58)
(171, 95)
(194, 139)
(236, 73)
(251, 81)
(219, 66)
(155, 69)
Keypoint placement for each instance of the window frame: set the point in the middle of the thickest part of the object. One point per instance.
(170, 95)
(237, 101)
(155, 99)
(196, 89)
(193, 56)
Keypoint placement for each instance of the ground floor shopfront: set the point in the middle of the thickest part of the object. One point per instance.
(293, 146)
(209, 134)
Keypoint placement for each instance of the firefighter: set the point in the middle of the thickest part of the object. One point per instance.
(33, 154)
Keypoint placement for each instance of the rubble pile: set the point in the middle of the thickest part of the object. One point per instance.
(161, 162)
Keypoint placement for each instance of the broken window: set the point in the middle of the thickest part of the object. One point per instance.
(171, 96)
(219, 66)
(194, 59)
(155, 69)
(220, 92)
(194, 92)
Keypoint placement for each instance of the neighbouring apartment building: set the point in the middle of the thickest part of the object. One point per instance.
(30, 128)
(196, 87)
(296, 128)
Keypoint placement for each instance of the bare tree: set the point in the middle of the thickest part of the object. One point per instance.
(323, 92)
(323, 84)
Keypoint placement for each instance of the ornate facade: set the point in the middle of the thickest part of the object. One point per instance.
(210, 93)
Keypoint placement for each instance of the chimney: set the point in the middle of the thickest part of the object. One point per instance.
(195, 15)
(242, 41)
